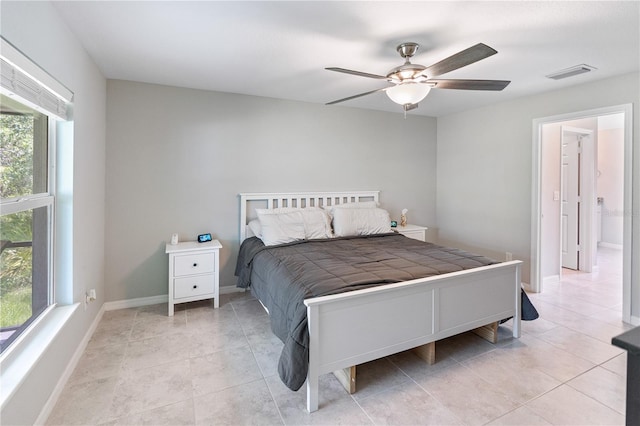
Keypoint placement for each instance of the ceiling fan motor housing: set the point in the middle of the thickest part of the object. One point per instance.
(406, 71)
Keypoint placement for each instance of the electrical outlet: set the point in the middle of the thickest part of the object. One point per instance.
(89, 296)
(508, 256)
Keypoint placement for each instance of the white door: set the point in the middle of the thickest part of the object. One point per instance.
(570, 210)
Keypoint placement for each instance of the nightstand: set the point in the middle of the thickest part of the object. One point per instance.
(416, 232)
(193, 272)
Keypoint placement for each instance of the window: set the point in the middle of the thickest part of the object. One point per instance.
(32, 104)
(26, 221)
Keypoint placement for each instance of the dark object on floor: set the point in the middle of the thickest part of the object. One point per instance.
(528, 312)
(630, 341)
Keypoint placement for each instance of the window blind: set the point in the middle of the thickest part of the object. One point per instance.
(24, 79)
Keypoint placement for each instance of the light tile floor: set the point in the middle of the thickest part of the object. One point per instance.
(206, 366)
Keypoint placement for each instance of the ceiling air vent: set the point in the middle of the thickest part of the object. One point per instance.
(570, 72)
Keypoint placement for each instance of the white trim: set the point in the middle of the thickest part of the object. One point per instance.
(610, 245)
(24, 353)
(154, 300)
(46, 410)
(229, 289)
(634, 320)
(536, 236)
(137, 302)
(536, 207)
(551, 279)
(27, 202)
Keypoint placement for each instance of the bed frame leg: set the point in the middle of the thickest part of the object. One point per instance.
(312, 372)
(488, 332)
(426, 352)
(312, 393)
(347, 377)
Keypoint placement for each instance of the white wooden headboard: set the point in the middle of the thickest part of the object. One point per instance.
(249, 201)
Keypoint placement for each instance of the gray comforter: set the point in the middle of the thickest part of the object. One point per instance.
(282, 276)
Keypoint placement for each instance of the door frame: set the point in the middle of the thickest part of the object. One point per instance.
(536, 202)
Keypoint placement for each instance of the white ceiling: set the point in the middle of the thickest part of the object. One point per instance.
(280, 49)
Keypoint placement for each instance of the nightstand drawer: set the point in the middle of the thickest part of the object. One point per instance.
(192, 264)
(193, 286)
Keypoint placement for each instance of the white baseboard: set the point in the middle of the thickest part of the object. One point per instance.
(227, 289)
(46, 410)
(610, 245)
(635, 320)
(134, 303)
(551, 279)
(154, 300)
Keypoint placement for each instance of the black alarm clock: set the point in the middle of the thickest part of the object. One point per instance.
(203, 238)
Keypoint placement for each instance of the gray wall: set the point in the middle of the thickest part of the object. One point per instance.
(484, 169)
(36, 29)
(177, 159)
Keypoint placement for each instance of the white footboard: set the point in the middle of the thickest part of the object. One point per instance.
(356, 327)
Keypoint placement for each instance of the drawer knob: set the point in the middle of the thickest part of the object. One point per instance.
(195, 286)
(195, 264)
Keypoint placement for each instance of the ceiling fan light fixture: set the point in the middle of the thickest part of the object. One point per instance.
(408, 93)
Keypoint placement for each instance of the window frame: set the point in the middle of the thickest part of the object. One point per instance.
(31, 202)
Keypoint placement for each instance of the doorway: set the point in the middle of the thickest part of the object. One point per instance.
(578, 152)
(547, 223)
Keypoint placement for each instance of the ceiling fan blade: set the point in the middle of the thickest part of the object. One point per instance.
(470, 84)
(357, 96)
(358, 73)
(461, 59)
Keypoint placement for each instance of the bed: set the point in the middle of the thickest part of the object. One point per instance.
(382, 313)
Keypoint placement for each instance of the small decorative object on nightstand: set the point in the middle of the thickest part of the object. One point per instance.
(416, 232)
(403, 217)
(193, 272)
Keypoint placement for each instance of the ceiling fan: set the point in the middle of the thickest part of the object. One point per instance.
(412, 82)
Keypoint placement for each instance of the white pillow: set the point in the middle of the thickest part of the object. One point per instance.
(255, 228)
(280, 228)
(317, 223)
(356, 205)
(354, 221)
(286, 224)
